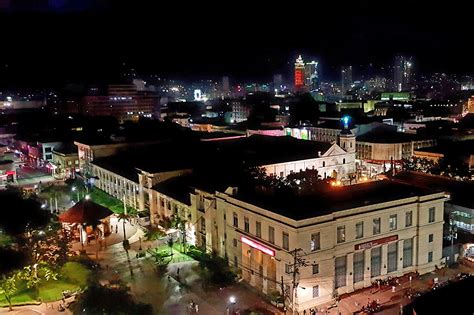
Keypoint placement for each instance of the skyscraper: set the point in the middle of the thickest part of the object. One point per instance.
(225, 86)
(311, 75)
(346, 78)
(277, 82)
(299, 74)
(403, 73)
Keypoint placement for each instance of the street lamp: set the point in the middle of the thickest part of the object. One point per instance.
(232, 301)
(88, 197)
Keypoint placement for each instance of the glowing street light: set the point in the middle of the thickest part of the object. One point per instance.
(232, 299)
(88, 197)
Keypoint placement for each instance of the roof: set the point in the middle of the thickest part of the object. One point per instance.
(85, 211)
(258, 150)
(157, 158)
(328, 199)
(385, 135)
(460, 191)
(177, 188)
(459, 148)
(66, 148)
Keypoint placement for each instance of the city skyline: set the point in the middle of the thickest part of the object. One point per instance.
(93, 45)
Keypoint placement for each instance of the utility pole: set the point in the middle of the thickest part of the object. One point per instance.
(298, 262)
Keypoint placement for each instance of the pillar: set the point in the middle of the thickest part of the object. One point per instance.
(400, 256)
(384, 259)
(350, 272)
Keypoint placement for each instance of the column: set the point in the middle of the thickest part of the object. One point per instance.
(384, 259)
(350, 272)
(367, 264)
(400, 256)
(415, 251)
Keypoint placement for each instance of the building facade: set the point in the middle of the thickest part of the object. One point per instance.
(345, 250)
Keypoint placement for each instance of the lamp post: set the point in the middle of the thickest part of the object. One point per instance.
(232, 301)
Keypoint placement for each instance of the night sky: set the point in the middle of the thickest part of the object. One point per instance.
(55, 41)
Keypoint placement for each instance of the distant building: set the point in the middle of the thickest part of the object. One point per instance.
(299, 74)
(311, 79)
(278, 82)
(346, 79)
(225, 86)
(470, 105)
(123, 102)
(65, 161)
(403, 73)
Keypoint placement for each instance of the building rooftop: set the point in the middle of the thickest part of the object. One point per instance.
(459, 148)
(157, 158)
(66, 148)
(460, 191)
(385, 135)
(328, 199)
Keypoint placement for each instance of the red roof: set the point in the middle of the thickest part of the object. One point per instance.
(85, 211)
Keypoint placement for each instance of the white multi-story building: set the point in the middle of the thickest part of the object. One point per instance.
(348, 237)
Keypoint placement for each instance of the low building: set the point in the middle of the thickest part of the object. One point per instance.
(458, 150)
(65, 161)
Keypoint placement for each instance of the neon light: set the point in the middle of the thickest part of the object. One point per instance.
(258, 246)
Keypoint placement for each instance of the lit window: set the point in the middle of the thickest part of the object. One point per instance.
(392, 222)
(341, 234)
(376, 226)
(315, 241)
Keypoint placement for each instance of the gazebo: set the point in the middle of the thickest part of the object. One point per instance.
(84, 216)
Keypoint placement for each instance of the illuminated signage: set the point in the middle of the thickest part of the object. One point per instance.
(258, 246)
(376, 242)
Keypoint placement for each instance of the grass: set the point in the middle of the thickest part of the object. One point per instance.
(106, 200)
(73, 276)
(5, 240)
(177, 255)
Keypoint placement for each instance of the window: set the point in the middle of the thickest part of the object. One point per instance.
(76, 162)
(360, 230)
(203, 225)
(315, 269)
(340, 273)
(315, 291)
(235, 242)
(343, 161)
(236, 261)
(287, 268)
(392, 222)
(392, 257)
(375, 261)
(315, 241)
(236, 220)
(408, 218)
(281, 174)
(324, 163)
(47, 149)
(376, 226)
(341, 234)
(271, 234)
(358, 267)
(69, 163)
(430, 256)
(430, 238)
(258, 229)
(407, 253)
(431, 217)
(286, 241)
(162, 203)
(246, 224)
(48, 156)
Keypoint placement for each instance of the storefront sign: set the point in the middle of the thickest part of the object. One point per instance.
(258, 246)
(374, 243)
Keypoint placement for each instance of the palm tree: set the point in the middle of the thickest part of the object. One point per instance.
(154, 234)
(124, 218)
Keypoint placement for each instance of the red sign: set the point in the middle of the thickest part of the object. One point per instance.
(379, 241)
(257, 245)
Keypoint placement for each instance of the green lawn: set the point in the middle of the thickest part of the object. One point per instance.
(177, 255)
(73, 276)
(106, 200)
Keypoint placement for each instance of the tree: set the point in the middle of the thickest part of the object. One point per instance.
(154, 234)
(170, 244)
(124, 218)
(98, 299)
(8, 288)
(54, 192)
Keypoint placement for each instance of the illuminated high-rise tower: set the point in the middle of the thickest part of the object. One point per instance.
(403, 73)
(311, 75)
(346, 79)
(299, 74)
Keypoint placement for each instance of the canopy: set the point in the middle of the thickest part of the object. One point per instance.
(85, 211)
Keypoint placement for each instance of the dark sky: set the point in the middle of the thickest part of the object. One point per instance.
(48, 42)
